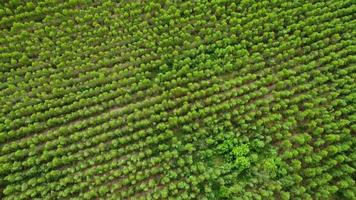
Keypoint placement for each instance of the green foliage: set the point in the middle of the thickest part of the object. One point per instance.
(177, 100)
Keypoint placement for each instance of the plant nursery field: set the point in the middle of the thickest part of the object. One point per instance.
(172, 99)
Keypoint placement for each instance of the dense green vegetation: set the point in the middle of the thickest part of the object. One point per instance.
(177, 99)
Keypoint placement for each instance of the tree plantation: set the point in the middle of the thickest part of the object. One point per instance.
(163, 99)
